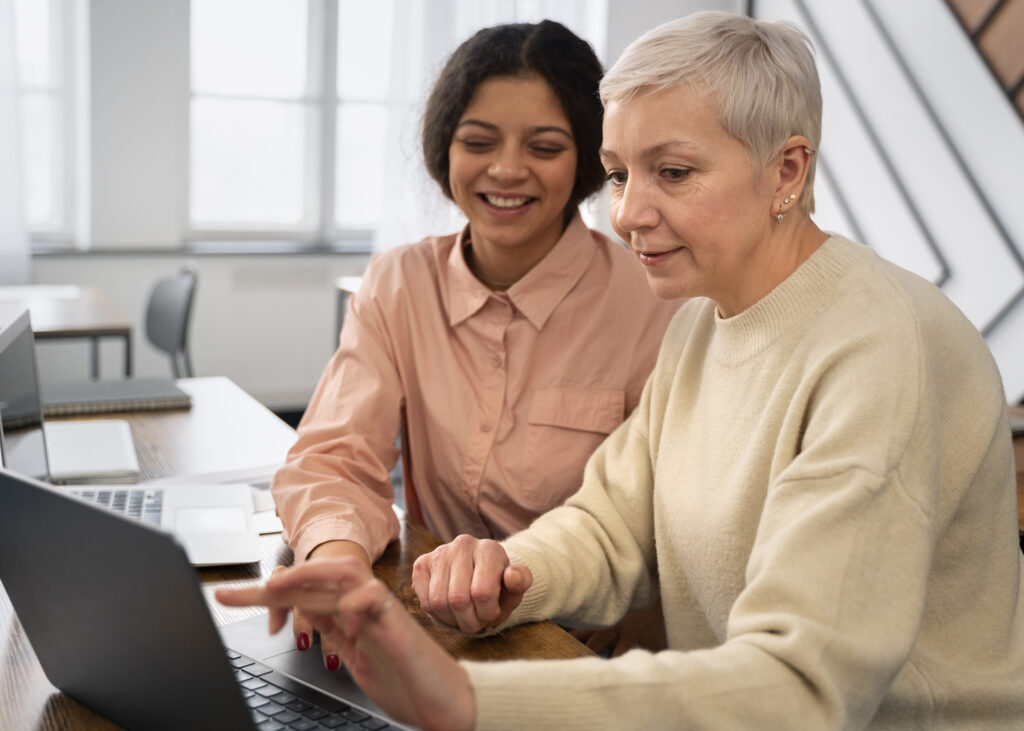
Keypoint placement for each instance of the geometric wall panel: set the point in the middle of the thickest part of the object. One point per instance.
(923, 155)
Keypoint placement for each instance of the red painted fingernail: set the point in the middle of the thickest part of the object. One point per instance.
(332, 662)
(303, 641)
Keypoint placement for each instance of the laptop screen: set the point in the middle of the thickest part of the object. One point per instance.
(22, 445)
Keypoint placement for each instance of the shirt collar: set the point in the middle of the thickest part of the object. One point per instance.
(538, 293)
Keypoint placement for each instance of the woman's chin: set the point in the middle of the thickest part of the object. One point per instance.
(667, 287)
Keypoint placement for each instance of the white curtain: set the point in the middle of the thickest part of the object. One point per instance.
(424, 36)
(15, 262)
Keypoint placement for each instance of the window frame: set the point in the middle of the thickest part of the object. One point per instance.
(66, 91)
(320, 228)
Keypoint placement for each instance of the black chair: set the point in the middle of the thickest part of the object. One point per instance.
(168, 314)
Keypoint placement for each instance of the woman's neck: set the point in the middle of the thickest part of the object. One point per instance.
(499, 268)
(776, 258)
(498, 285)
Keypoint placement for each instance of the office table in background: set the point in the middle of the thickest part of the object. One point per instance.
(70, 311)
(227, 431)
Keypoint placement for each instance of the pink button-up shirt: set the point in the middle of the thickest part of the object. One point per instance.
(500, 397)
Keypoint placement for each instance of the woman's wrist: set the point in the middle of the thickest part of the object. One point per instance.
(338, 549)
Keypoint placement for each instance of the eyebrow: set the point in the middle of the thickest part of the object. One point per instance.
(654, 149)
(530, 130)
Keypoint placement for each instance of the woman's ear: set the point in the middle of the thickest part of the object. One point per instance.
(794, 162)
(791, 167)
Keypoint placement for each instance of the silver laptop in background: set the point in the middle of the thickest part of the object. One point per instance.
(74, 451)
(214, 521)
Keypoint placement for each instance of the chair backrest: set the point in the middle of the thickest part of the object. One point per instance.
(168, 314)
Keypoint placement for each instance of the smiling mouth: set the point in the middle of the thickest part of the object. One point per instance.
(653, 258)
(505, 201)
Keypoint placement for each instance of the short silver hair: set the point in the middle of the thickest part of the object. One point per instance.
(760, 75)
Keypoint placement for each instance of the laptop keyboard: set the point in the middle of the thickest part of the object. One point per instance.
(275, 700)
(278, 702)
(142, 504)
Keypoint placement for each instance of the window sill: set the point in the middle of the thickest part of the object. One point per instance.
(213, 248)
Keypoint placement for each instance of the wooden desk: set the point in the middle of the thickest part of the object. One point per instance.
(224, 419)
(225, 431)
(61, 312)
(543, 640)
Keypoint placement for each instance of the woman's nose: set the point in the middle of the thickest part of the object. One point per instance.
(507, 165)
(632, 209)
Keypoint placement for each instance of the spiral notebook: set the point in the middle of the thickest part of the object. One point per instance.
(73, 398)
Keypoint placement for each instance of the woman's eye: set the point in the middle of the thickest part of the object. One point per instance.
(616, 178)
(547, 150)
(474, 145)
(674, 175)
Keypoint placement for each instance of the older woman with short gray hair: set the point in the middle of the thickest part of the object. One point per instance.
(818, 482)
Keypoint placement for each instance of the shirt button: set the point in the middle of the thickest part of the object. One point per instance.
(485, 427)
(495, 360)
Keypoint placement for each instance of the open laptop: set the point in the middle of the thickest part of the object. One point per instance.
(114, 612)
(77, 451)
(214, 521)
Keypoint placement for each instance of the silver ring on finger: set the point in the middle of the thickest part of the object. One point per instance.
(385, 607)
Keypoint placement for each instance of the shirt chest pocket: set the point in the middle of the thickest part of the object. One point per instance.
(565, 425)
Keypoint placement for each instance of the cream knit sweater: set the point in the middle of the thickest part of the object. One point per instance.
(821, 489)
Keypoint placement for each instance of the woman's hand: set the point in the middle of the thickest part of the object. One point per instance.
(469, 583)
(387, 653)
(302, 627)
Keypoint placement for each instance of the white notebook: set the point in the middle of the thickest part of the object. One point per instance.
(91, 451)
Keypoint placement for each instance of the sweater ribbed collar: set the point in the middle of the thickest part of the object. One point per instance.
(802, 294)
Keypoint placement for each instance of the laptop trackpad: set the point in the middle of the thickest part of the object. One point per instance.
(214, 522)
(308, 667)
(210, 520)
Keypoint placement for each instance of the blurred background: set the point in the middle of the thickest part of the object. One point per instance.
(275, 143)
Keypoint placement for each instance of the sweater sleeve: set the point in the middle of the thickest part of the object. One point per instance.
(835, 582)
(592, 559)
(335, 483)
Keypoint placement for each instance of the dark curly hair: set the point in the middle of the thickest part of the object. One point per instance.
(549, 49)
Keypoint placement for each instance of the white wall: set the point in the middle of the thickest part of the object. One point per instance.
(267, 322)
(15, 264)
(628, 19)
(139, 122)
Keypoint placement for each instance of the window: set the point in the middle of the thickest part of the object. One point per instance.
(363, 91)
(304, 115)
(253, 117)
(274, 135)
(44, 48)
